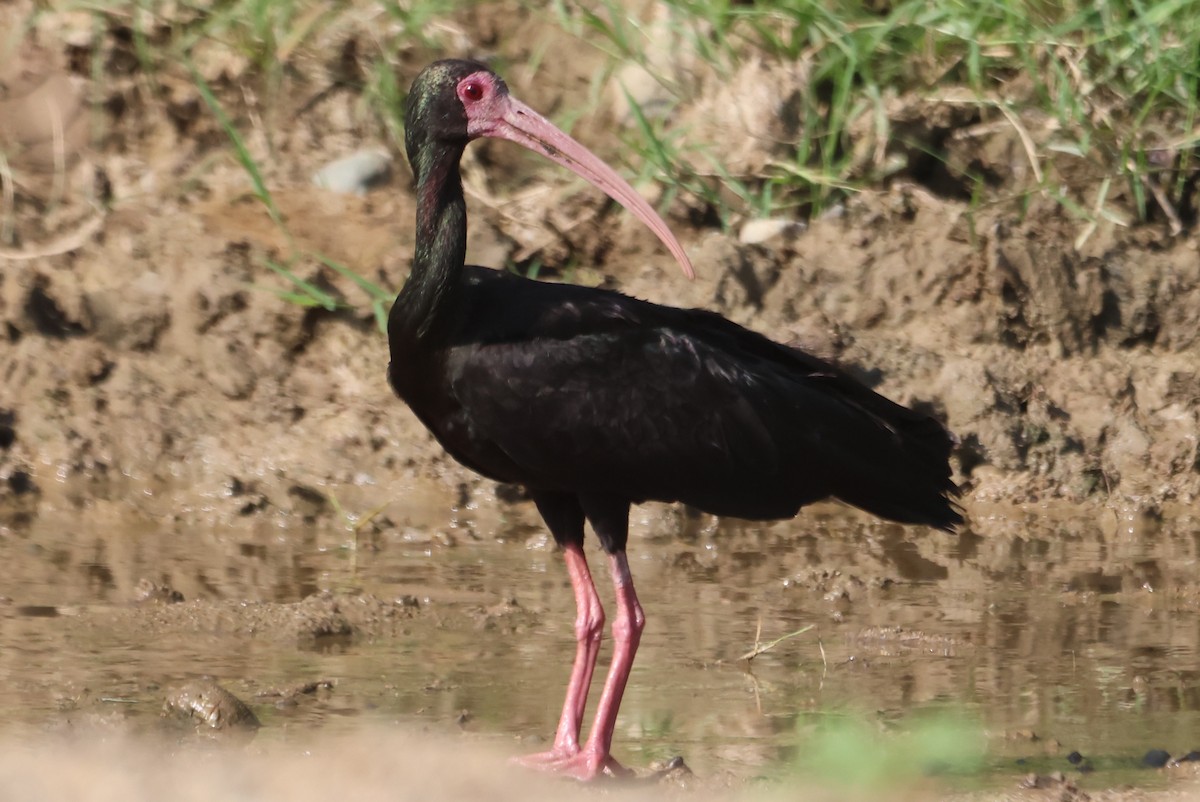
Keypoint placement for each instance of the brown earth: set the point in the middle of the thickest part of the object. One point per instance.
(149, 369)
(141, 352)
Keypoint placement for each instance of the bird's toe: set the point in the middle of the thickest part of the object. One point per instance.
(584, 765)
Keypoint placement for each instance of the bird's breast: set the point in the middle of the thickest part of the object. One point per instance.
(424, 385)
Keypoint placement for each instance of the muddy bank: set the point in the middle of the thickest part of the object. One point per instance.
(1064, 375)
(147, 354)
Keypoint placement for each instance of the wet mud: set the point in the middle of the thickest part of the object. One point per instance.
(1065, 637)
(213, 510)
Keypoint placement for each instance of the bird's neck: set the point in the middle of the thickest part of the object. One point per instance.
(426, 301)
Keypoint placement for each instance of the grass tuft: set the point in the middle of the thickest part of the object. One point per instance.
(1099, 101)
(852, 752)
(251, 50)
(241, 152)
(1095, 95)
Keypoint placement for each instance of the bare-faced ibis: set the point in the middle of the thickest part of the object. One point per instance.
(594, 401)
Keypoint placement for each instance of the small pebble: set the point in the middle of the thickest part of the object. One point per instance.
(355, 174)
(1156, 758)
(756, 232)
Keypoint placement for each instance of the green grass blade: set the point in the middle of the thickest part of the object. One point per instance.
(239, 146)
(308, 290)
(381, 315)
(373, 290)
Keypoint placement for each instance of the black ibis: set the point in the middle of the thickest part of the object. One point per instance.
(594, 401)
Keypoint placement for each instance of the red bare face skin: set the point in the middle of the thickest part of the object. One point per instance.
(492, 112)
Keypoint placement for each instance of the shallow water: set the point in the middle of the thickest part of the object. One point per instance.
(1076, 626)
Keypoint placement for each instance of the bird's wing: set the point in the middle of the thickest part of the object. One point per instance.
(637, 403)
(579, 389)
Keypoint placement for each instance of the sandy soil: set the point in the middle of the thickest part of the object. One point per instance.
(390, 765)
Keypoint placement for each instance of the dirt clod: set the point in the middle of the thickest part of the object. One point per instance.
(150, 591)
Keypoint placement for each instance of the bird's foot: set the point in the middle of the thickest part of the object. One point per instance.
(581, 764)
(545, 761)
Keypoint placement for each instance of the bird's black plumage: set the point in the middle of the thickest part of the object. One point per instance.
(595, 401)
(568, 389)
(579, 390)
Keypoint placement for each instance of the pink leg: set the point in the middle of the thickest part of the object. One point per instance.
(595, 756)
(589, 626)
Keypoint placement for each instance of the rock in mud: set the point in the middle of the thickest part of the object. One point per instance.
(1081, 763)
(1156, 758)
(672, 772)
(757, 232)
(208, 703)
(356, 174)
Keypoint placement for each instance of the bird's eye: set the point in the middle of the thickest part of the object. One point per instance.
(472, 91)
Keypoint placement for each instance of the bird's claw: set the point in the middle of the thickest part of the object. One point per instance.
(578, 764)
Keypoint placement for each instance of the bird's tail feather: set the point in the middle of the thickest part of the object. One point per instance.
(898, 467)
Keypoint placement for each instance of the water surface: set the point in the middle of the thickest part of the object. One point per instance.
(1053, 629)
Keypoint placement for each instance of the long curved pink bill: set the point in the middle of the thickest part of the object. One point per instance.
(521, 124)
